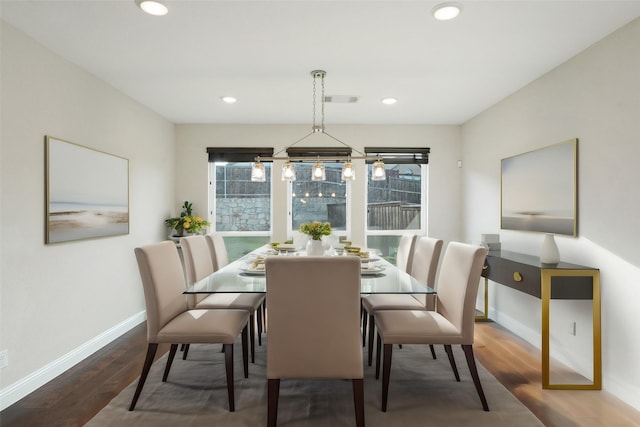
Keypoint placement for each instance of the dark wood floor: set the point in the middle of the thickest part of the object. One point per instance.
(77, 395)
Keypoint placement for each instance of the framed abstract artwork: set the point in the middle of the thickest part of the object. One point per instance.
(539, 190)
(87, 192)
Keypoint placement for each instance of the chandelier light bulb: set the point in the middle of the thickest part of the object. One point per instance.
(318, 173)
(378, 172)
(348, 173)
(288, 172)
(257, 172)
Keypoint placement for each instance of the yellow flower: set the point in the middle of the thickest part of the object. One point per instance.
(186, 224)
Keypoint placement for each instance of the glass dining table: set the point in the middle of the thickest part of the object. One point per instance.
(378, 276)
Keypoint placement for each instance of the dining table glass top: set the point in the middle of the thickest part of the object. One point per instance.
(378, 276)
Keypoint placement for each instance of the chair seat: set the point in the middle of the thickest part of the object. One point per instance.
(204, 326)
(416, 327)
(242, 301)
(375, 302)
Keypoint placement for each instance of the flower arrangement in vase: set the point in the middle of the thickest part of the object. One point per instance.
(315, 230)
(187, 222)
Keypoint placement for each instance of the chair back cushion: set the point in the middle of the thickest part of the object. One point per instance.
(197, 263)
(314, 317)
(458, 286)
(218, 251)
(424, 265)
(163, 283)
(426, 256)
(197, 258)
(404, 256)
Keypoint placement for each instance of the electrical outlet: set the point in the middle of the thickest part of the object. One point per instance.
(572, 328)
(4, 358)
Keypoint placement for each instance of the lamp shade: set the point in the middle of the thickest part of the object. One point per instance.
(378, 172)
(348, 173)
(288, 172)
(318, 173)
(258, 173)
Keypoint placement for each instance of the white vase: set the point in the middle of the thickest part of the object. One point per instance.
(549, 253)
(315, 248)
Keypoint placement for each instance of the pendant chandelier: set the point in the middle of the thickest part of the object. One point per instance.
(318, 171)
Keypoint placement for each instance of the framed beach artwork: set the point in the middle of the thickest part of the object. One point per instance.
(87, 192)
(539, 190)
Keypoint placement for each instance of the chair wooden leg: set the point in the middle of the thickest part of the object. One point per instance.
(252, 335)
(148, 361)
(378, 350)
(372, 328)
(259, 318)
(386, 372)
(471, 361)
(167, 367)
(452, 361)
(364, 326)
(245, 353)
(228, 363)
(433, 351)
(273, 394)
(264, 315)
(185, 352)
(358, 400)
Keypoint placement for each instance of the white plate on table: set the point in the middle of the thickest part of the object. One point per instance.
(285, 247)
(254, 271)
(371, 270)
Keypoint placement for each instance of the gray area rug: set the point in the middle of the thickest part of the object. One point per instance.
(422, 392)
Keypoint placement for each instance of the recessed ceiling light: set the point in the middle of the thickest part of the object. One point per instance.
(228, 99)
(446, 11)
(389, 101)
(153, 7)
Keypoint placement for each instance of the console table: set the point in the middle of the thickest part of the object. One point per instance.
(527, 274)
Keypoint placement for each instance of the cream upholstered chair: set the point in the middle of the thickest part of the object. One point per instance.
(324, 290)
(169, 320)
(404, 259)
(424, 264)
(404, 255)
(452, 322)
(218, 249)
(198, 265)
(220, 258)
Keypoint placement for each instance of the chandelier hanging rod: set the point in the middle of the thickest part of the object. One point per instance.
(316, 158)
(324, 132)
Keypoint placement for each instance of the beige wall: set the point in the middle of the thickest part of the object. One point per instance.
(60, 302)
(593, 97)
(444, 175)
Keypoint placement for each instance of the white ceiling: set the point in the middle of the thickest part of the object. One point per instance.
(262, 52)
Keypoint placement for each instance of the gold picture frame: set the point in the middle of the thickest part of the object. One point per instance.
(87, 192)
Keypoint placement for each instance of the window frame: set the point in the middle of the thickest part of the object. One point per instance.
(224, 155)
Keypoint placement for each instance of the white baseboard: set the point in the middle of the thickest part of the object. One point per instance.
(16, 391)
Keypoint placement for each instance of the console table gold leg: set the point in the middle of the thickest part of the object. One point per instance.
(485, 313)
(547, 274)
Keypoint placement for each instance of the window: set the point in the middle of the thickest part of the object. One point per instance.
(325, 201)
(240, 209)
(397, 205)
